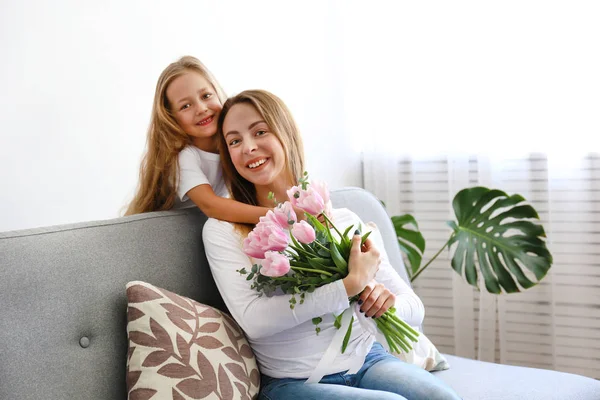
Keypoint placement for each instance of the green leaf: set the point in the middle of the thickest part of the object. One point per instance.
(495, 232)
(323, 252)
(315, 223)
(317, 320)
(364, 237)
(410, 240)
(348, 230)
(255, 268)
(337, 258)
(338, 321)
(249, 277)
(347, 336)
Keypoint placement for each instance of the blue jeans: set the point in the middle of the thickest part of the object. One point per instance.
(382, 377)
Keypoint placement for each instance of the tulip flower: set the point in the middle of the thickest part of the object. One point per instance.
(308, 200)
(304, 232)
(266, 236)
(275, 264)
(282, 215)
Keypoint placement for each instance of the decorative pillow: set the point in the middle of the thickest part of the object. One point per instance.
(425, 355)
(181, 349)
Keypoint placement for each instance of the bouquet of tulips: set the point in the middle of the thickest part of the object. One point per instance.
(299, 256)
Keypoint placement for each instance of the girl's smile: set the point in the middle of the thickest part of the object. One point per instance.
(205, 121)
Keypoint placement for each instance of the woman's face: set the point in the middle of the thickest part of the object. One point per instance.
(256, 152)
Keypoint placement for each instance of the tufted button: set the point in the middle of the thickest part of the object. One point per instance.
(84, 342)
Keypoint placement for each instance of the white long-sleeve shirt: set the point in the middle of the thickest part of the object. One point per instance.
(284, 340)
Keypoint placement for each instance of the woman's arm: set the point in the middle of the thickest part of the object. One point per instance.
(214, 206)
(260, 316)
(408, 305)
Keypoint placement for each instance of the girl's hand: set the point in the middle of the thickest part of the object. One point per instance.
(363, 264)
(376, 299)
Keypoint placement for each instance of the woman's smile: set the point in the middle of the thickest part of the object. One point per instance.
(257, 164)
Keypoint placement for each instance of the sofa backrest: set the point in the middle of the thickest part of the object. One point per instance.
(62, 293)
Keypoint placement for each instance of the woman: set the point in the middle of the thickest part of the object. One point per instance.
(262, 152)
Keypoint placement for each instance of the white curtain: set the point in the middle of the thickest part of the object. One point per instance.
(447, 95)
(554, 325)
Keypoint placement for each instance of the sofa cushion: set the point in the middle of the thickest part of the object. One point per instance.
(178, 347)
(478, 380)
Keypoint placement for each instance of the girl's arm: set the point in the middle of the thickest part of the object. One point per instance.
(260, 316)
(214, 206)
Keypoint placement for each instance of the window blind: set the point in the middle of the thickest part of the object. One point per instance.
(554, 325)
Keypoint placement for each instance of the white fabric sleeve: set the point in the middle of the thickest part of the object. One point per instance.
(190, 172)
(260, 316)
(408, 305)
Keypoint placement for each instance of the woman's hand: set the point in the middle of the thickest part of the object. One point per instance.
(363, 264)
(376, 299)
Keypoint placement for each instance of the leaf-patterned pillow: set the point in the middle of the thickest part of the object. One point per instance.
(181, 349)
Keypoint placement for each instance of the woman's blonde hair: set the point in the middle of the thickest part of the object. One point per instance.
(279, 119)
(159, 171)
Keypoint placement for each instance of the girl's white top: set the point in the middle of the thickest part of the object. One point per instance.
(199, 167)
(284, 340)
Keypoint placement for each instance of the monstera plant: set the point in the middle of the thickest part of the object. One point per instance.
(496, 237)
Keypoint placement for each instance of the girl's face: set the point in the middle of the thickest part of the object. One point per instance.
(196, 107)
(256, 152)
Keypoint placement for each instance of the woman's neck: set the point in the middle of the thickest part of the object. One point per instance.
(279, 190)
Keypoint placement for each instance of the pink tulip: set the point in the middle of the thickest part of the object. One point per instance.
(281, 215)
(304, 232)
(308, 200)
(266, 236)
(275, 264)
(322, 188)
(252, 248)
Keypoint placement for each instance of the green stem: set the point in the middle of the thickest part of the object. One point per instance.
(401, 326)
(381, 326)
(307, 265)
(412, 278)
(318, 271)
(321, 246)
(301, 250)
(401, 322)
(333, 226)
(396, 337)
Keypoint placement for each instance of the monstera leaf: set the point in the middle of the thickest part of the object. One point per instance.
(494, 231)
(410, 240)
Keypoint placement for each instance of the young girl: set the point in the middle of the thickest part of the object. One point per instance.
(256, 128)
(181, 167)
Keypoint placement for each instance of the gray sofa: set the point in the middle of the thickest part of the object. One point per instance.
(63, 318)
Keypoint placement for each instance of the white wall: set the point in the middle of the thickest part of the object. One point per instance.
(78, 79)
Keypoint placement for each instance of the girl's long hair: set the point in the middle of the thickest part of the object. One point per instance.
(279, 119)
(159, 171)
